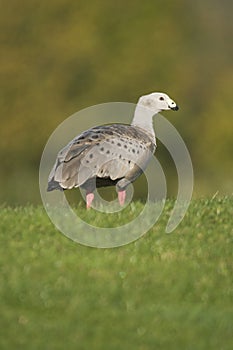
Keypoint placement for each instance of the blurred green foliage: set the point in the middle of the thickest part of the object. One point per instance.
(60, 56)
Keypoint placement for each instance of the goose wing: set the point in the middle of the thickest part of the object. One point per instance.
(111, 151)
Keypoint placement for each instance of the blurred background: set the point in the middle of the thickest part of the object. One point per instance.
(58, 57)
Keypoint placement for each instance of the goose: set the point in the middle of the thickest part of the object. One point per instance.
(110, 155)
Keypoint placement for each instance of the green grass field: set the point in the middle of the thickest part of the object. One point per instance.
(163, 291)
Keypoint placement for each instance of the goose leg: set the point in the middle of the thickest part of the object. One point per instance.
(89, 199)
(121, 197)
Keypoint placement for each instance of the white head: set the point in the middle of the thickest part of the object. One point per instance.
(157, 102)
(150, 105)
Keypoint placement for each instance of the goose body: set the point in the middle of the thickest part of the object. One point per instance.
(109, 155)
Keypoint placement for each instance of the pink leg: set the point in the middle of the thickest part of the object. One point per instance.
(121, 197)
(89, 199)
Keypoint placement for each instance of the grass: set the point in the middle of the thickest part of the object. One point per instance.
(164, 291)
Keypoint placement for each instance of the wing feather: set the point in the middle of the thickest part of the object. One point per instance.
(113, 151)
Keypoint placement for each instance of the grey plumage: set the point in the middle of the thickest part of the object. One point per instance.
(110, 155)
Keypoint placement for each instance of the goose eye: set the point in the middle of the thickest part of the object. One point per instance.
(161, 98)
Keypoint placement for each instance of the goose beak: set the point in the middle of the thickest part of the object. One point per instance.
(176, 108)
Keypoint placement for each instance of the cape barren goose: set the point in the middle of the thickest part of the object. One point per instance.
(109, 155)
